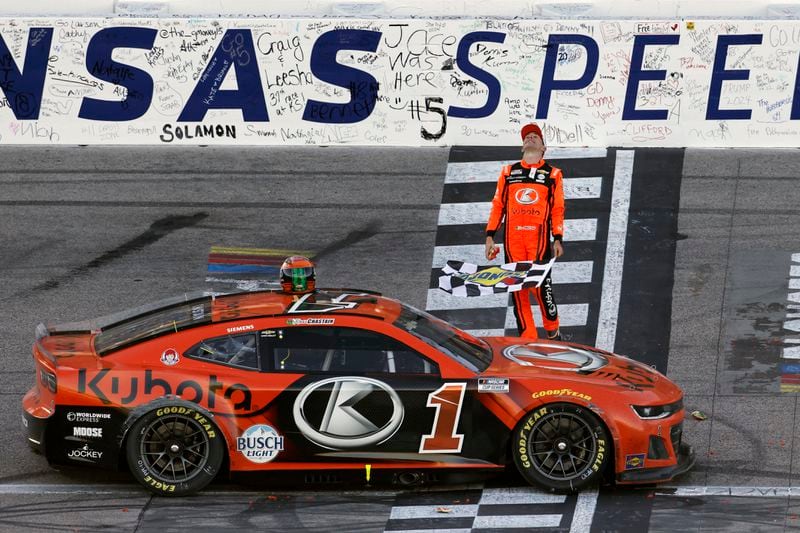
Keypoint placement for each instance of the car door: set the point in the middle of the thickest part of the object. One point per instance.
(365, 395)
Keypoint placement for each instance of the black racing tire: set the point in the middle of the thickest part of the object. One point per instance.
(561, 446)
(174, 449)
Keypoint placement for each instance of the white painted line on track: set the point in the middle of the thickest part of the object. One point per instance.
(491, 496)
(430, 511)
(29, 488)
(448, 530)
(486, 332)
(615, 251)
(517, 521)
(753, 492)
(582, 188)
(584, 511)
(568, 315)
(486, 171)
(575, 229)
(519, 495)
(439, 300)
(132, 489)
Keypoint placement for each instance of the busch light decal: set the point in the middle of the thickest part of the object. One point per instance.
(260, 443)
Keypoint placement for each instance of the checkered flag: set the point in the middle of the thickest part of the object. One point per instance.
(465, 279)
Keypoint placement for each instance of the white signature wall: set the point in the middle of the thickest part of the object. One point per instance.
(409, 82)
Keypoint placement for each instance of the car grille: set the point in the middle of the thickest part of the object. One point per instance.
(675, 434)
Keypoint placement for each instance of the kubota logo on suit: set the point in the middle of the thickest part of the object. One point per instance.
(527, 196)
(348, 412)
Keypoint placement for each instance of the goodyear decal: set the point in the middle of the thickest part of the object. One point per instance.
(561, 392)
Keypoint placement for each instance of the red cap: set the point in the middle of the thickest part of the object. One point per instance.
(531, 128)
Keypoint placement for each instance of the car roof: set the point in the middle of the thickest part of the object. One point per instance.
(143, 323)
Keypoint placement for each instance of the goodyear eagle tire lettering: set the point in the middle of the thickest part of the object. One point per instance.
(561, 446)
(174, 450)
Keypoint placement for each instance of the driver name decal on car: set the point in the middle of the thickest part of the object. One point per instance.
(310, 321)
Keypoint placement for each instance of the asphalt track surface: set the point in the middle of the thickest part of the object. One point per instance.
(88, 231)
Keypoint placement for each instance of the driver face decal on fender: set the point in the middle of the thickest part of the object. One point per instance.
(348, 412)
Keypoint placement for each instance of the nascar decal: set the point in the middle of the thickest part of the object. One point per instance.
(492, 384)
(260, 443)
(466, 279)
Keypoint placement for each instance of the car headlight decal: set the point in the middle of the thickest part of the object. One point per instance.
(655, 412)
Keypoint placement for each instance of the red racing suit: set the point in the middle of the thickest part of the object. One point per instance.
(531, 198)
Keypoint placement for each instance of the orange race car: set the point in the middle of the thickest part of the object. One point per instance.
(339, 379)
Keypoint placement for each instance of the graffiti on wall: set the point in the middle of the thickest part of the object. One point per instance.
(384, 82)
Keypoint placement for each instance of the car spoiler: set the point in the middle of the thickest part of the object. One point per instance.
(95, 325)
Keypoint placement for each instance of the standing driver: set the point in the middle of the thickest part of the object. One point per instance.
(530, 195)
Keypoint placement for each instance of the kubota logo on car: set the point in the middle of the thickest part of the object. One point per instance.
(348, 412)
(133, 387)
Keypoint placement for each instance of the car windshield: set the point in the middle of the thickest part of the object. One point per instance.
(471, 352)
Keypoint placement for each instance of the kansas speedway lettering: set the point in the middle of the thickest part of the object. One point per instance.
(136, 387)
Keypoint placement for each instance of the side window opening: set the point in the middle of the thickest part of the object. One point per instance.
(341, 350)
(232, 350)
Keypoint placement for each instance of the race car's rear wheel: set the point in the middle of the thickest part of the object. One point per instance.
(174, 450)
(561, 446)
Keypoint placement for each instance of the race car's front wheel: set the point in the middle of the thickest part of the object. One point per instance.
(561, 446)
(174, 450)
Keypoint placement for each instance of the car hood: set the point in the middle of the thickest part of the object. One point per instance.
(564, 362)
